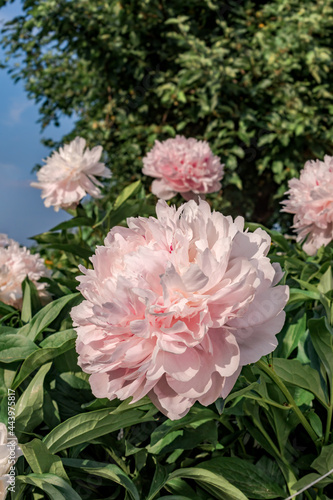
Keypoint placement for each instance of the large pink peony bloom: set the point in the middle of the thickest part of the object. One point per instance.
(70, 174)
(185, 166)
(175, 306)
(311, 200)
(15, 264)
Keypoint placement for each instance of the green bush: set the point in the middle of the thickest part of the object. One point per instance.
(253, 78)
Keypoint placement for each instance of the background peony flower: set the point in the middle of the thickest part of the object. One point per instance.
(5, 241)
(15, 264)
(8, 455)
(70, 174)
(175, 306)
(185, 166)
(311, 200)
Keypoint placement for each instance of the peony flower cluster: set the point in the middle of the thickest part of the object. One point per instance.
(70, 174)
(311, 200)
(175, 306)
(185, 166)
(15, 264)
(9, 453)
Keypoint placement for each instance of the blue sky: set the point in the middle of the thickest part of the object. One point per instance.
(22, 212)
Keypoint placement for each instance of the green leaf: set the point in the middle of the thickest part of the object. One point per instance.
(88, 426)
(159, 480)
(213, 483)
(324, 462)
(294, 373)
(14, 347)
(29, 407)
(46, 316)
(55, 487)
(326, 281)
(126, 193)
(310, 478)
(298, 295)
(245, 476)
(322, 340)
(77, 250)
(41, 460)
(108, 471)
(175, 497)
(52, 347)
(31, 301)
(292, 337)
(159, 438)
(75, 222)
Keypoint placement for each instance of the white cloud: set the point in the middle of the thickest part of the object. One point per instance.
(16, 111)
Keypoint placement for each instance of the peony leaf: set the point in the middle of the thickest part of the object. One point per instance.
(31, 301)
(29, 408)
(85, 427)
(14, 347)
(46, 316)
(126, 193)
(291, 337)
(324, 462)
(322, 340)
(107, 471)
(212, 482)
(159, 480)
(244, 475)
(294, 373)
(75, 222)
(56, 487)
(41, 460)
(53, 346)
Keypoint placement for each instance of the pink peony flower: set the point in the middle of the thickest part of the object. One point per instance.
(311, 200)
(185, 166)
(5, 241)
(15, 264)
(70, 174)
(175, 306)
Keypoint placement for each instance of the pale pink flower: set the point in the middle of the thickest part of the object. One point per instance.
(5, 241)
(311, 200)
(185, 166)
(15, 264)
(175, 306)
(70, 174)
(9, 453)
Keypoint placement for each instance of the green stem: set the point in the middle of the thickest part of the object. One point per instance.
(272, 374)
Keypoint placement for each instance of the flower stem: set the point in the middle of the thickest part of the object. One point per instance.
(272, 374)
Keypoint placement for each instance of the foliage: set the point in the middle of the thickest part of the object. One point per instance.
(253, 78)
(268, 439)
